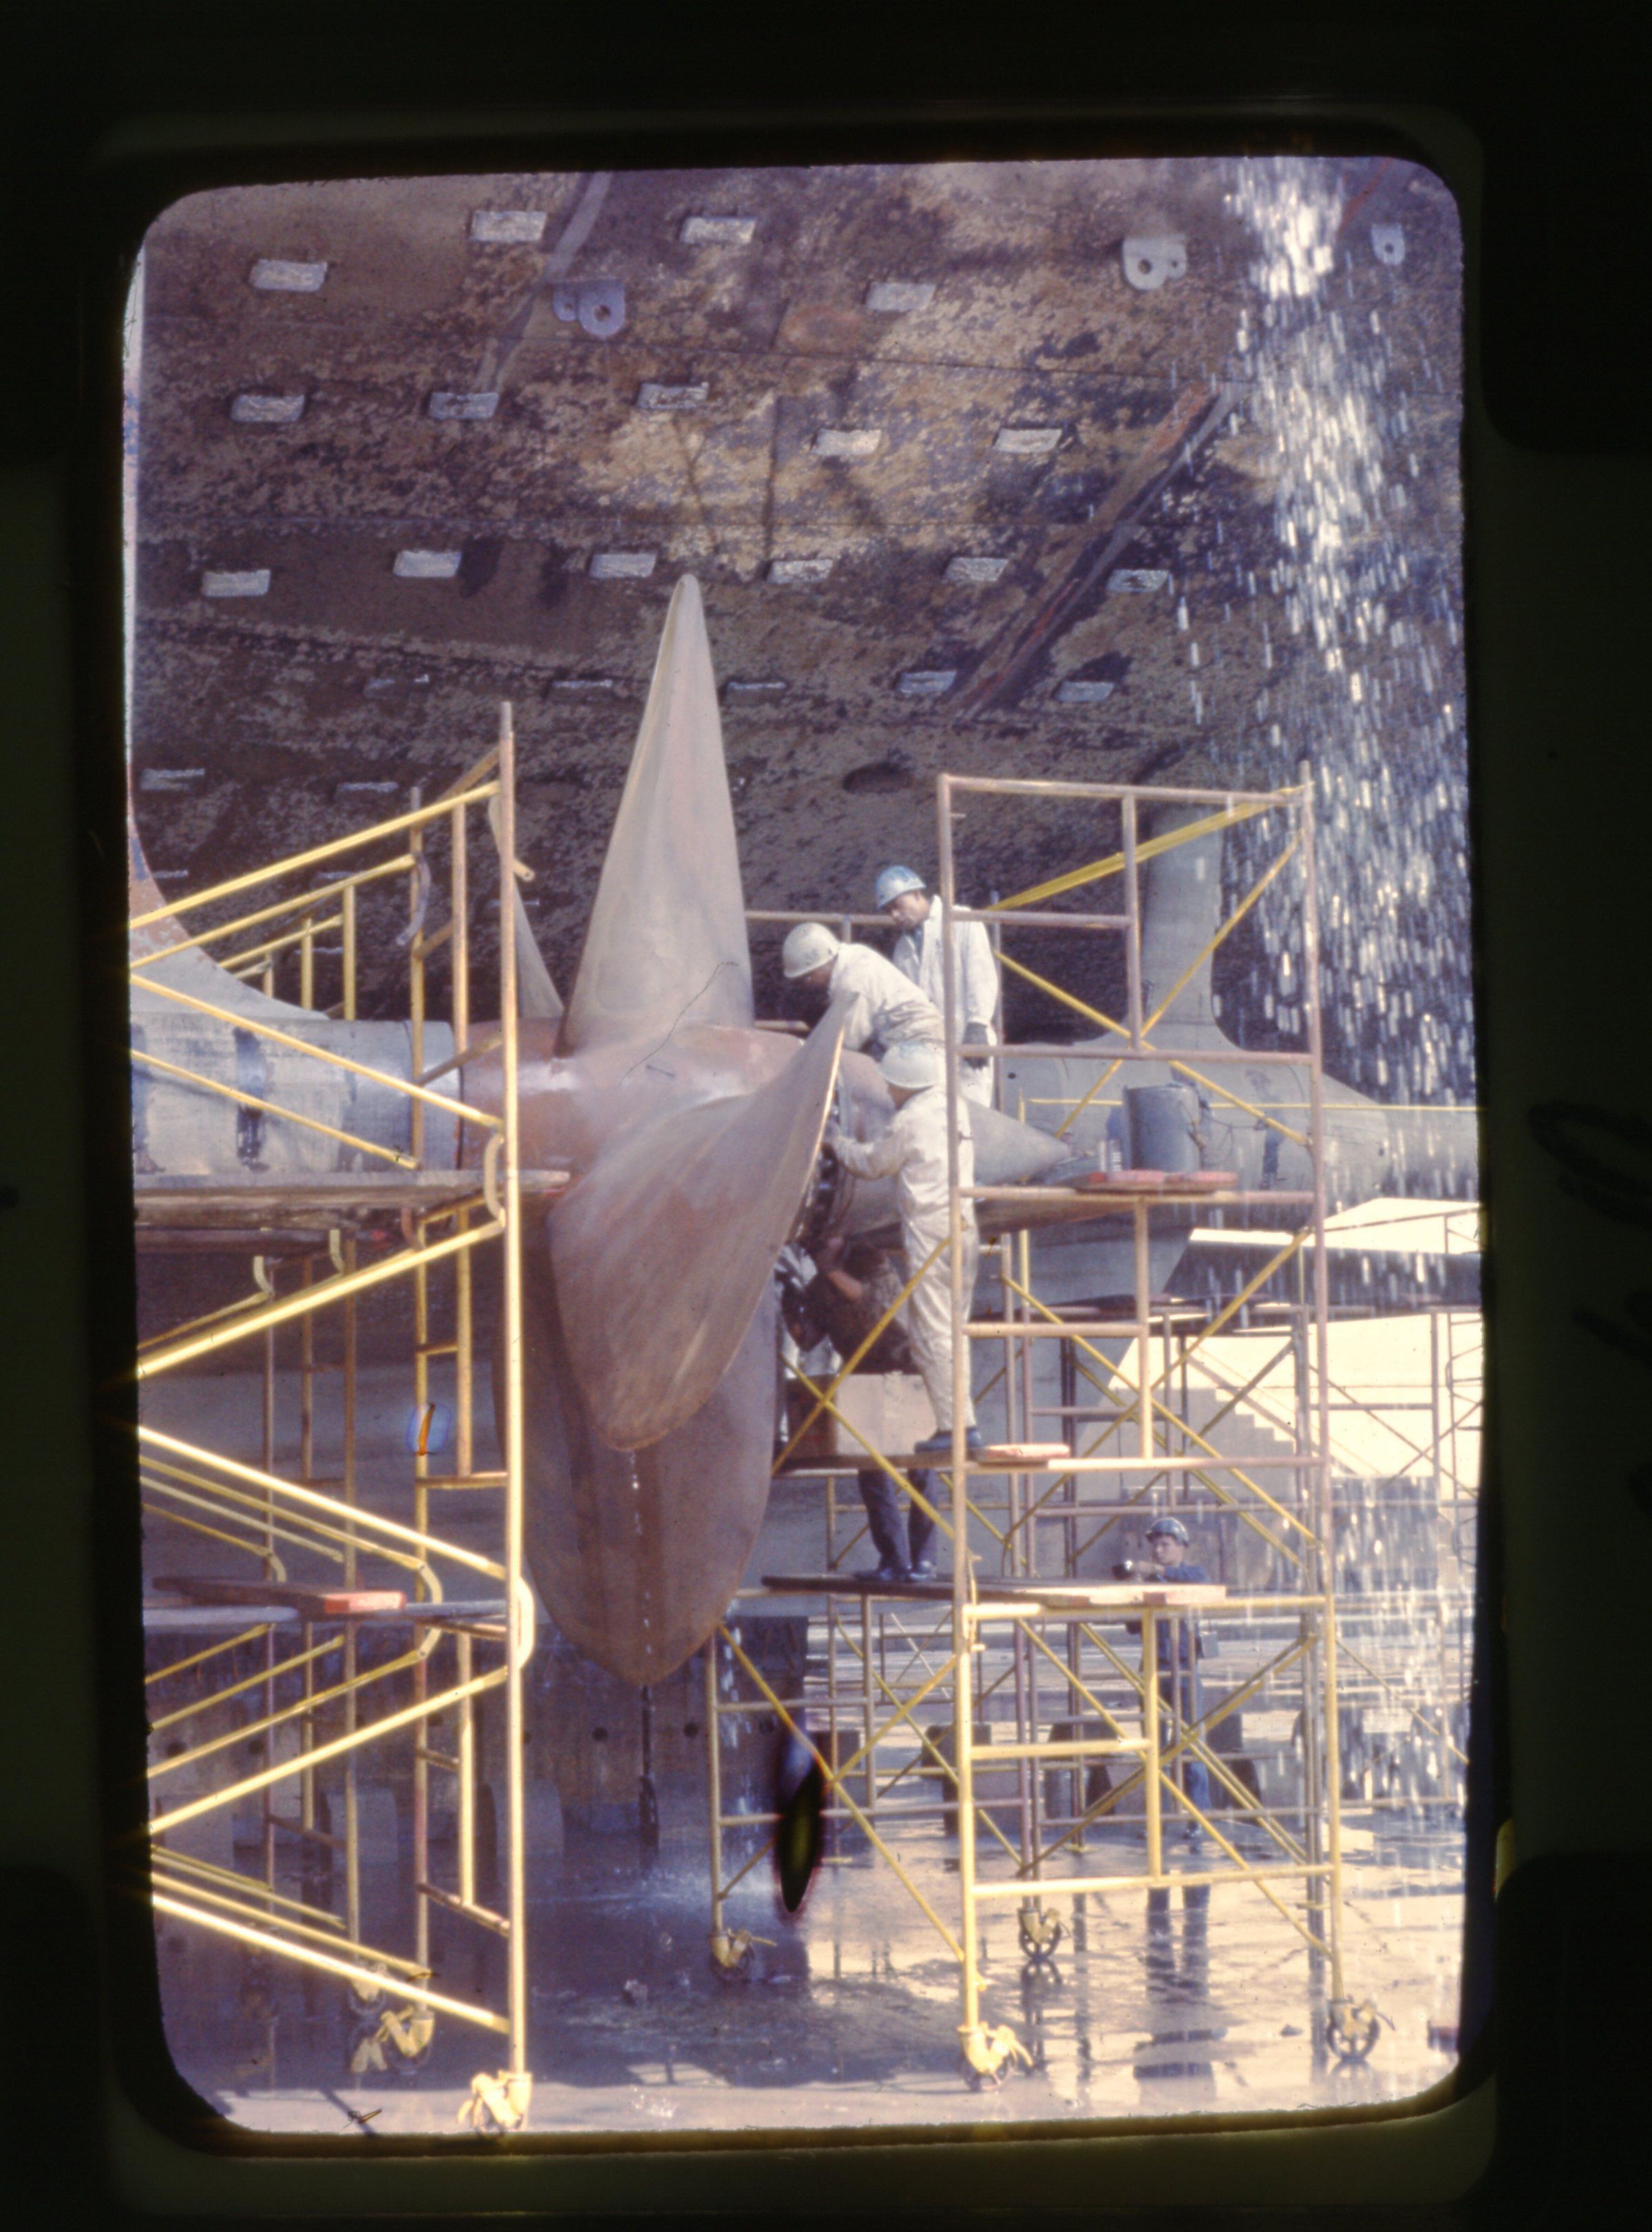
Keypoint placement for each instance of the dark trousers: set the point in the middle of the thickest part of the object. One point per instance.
(1195, 1776)
(890, 1514)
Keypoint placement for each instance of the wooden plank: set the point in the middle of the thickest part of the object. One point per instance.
(313, 1603)
(1167, 447)
(1005, 1597)
(484, 1618)
(1128, 1181)
(999, 1457)
(187, 1200)
(213, 1620)
(1156, 1596)
(829, 1585)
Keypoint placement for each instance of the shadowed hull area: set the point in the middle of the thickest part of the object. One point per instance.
(636, 1556)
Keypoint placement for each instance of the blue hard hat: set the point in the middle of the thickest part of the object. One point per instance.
(893, 881)
(430, 1427)
(1165, 1525)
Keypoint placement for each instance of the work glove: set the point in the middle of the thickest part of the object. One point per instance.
(975, 1034)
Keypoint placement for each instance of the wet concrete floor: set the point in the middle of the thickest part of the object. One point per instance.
(1175, 2004)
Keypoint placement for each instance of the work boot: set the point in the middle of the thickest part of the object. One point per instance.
(889, 1571)
(941, 1444)
(883, 1500)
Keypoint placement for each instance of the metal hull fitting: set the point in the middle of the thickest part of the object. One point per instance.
(186, 1129)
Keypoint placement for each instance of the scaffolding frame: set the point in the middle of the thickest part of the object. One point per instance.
(1320, 1866)
(445, 1215)
(1052, 1684)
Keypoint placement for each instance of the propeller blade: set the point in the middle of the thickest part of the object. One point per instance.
(668, 1243)
(667, 940)
(536, 992)
(637, 1554)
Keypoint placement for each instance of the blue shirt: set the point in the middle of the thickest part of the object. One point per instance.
(1191, 1643)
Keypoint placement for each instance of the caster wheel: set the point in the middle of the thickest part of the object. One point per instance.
(1351, 2030)
(408, 2037)
(1041, 1934)
(989, 2055)
(731, 1954)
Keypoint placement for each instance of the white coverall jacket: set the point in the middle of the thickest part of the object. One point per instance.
(975, 984)
(914, 1152)
(881, 1003)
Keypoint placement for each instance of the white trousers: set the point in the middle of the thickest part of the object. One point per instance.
(929, 1314)
(976, 1082)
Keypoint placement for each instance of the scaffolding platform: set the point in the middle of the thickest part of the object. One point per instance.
(1076, 1597)
(328, 1199)
(996, 1459)
(1059, 1700)
(186, 1615)
(285, 1670)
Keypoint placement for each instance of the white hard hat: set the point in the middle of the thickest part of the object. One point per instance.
(893, 881)
(808, 947)
(911, 1064)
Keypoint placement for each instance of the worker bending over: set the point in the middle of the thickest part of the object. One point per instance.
(913, 1152)
(917, 954)
(878, 1003)
(855, 1284)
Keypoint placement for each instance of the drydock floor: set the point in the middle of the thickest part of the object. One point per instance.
(849, 2017)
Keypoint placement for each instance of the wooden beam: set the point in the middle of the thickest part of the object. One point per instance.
(1172, 443)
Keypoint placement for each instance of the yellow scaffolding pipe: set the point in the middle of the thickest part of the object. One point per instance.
(403, 1085)
(343, 888)
(248, 1887)
(1075, 878)
(425, 1708)
(353, 1515)
(295, 861)
(267, 948)
(308, 1299)
(352, 1971)
(241, 1496)
(859, 1818)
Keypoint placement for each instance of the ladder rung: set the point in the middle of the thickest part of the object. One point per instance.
(484, 1915)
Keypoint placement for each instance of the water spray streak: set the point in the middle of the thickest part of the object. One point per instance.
(1367, 682)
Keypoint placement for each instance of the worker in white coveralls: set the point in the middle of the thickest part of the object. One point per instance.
(902, 897)
(881, 1009)
(913, 1152)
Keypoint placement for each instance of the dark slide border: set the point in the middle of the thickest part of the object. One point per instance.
(111, 113)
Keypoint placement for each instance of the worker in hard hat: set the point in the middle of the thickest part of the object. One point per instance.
(902, 898)
(913, 1152)
(881, 1008)
(1168, 1544)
